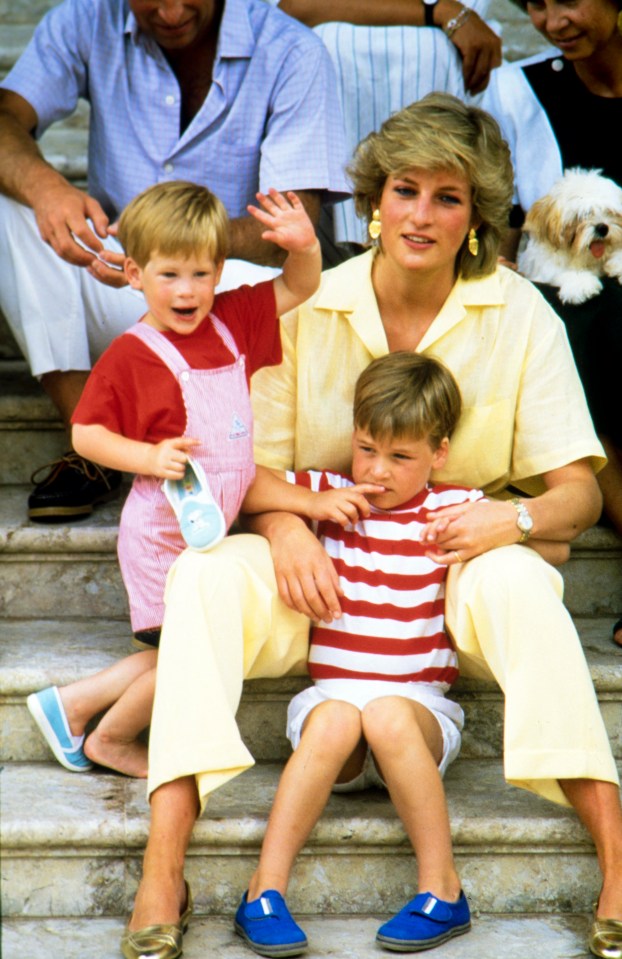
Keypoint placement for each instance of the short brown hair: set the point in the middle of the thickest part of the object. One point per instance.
(176, 218)
(406, 394)
(441, 132)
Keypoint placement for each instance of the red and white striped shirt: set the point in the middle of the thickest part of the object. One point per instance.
(393, 626)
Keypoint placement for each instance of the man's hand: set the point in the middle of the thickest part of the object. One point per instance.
(63, 213)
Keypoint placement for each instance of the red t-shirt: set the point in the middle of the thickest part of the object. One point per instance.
(132, 393)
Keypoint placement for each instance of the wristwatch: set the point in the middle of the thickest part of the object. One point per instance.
(428, 13)
(524, 520)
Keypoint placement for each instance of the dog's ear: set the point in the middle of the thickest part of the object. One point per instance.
(545, 223)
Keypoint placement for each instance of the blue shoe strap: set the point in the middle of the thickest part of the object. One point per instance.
(267, 906)
(425, 904)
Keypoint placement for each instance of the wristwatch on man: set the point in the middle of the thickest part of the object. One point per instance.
(428, 13)
(524, 520)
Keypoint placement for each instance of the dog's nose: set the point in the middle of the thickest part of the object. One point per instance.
(601, 230)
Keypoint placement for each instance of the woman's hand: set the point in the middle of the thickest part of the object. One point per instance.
(570, 505)
(458, 533)
(306, 578)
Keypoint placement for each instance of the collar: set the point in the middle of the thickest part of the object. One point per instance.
(235, 37)
(348, 289)
(411, 504)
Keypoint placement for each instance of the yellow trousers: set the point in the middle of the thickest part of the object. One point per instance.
(224, 623)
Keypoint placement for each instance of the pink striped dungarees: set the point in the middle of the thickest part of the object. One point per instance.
(218, 413)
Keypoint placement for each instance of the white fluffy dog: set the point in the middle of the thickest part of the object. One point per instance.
(574, 235)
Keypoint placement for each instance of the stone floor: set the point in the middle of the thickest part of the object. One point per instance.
(492, 937)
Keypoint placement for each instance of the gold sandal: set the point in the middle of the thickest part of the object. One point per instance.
(606, 938)
(159, 941)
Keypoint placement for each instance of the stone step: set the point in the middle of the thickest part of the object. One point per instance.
(492, 936)
(36, 654)
(72, 846)
(31, 432)
(56, 570)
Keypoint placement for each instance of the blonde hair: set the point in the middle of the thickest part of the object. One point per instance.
(407, 395)
(176, 218)
(436, 133)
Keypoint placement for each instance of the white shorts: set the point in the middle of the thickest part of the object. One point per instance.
(448, 714)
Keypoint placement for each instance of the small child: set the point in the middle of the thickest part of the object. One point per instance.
(175, 383)
(377, 713)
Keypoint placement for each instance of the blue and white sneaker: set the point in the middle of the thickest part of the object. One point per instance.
(425, 922)
(47, 711)
(201, 521)
(268, 927)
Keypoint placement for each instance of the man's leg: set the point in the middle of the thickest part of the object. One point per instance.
(62, 319)
(65, 389)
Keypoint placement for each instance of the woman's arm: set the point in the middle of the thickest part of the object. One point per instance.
(306, 577)
(571, 504)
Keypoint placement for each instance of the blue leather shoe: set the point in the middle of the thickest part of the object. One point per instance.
(425, 922)
(268, 927)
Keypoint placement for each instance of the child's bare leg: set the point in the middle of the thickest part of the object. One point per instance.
(407, 744)
(114, 742)
(330, 737)
(92, 695)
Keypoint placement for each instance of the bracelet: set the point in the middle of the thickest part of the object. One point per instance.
(456, 22)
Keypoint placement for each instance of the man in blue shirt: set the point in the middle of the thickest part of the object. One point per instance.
(229, 93)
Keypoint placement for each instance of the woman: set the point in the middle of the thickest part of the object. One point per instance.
(560, 112)
(437, 182)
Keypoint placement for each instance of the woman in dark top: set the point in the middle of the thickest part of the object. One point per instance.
(560, 111)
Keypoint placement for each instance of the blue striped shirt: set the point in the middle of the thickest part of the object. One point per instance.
(271, 116)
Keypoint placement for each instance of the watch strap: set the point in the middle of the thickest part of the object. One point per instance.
(428, 13)
(523, 515)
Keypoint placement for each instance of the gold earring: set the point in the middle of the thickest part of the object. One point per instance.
(620, 22)
(473, 242)
(375, 227)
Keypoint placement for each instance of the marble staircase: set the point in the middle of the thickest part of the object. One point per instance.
(72, 844)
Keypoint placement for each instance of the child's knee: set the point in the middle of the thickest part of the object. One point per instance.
(334, 723)
(388, 719)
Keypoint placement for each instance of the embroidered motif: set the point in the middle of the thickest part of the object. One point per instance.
(238, 428)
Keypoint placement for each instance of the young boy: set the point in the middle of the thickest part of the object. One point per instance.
(174, 384)
(377, 713)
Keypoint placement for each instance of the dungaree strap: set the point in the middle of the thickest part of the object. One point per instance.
(169, 354)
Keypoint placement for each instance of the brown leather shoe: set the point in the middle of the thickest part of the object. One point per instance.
(72, 487)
